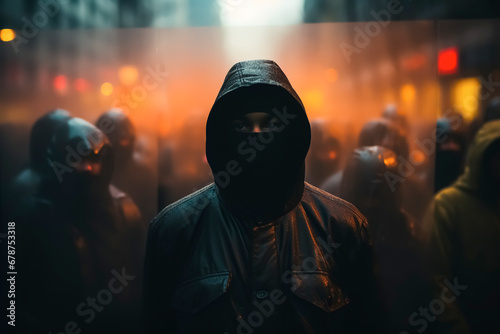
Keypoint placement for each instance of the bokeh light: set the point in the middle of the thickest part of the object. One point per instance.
(60, 83)
(7, 35)
(128, 75)
(106, 89)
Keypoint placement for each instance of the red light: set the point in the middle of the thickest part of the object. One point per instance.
(448, 61)
(81, 85)
(60, 82)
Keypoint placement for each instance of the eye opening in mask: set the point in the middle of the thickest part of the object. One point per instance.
(255, 122)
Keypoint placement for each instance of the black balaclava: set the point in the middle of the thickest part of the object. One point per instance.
(121, 133)
(41, 135)
(75, 144)
(259, 175)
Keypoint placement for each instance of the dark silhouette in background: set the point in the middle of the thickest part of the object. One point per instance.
(380, 132)
(323, 158)
(397, 243)
(77, 230)
(464, 226)
(26, 184)
(130, 175)
(450, 154)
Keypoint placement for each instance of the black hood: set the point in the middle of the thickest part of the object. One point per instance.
(118, 127)
(82, 161)
(40, 136)
(370, 182)
(259, 174)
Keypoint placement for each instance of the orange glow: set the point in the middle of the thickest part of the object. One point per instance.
(418, 157)
(60, 82)
(448, 61)
(313, 99)
(389, 159)
(408, 93)
(331, 75)
(465, 97)
(128, 75)
(7, 35)
(332, 155)
(81, 85)
(106, 89)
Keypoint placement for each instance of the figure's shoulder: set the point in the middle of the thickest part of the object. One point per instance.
(184, 211)
(335, 205)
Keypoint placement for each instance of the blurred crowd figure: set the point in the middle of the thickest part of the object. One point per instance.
(464, 226)
(450, 153)
(397, 243)
(131, 175)
(81, 235)
(26, 184)
(323, 157)
(386, 133)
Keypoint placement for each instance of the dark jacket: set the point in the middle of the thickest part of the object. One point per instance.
(464, 227)
(259, 250)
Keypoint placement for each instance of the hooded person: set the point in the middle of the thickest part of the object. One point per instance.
(79, 230)
(259, 249)
(463, 222)
(130, 174)
(376, 132)
(27, 183)
(399, 267)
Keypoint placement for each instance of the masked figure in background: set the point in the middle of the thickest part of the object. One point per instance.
(323, 157)
(79, 236)
(259, 250)
(399, 267)
(380, 132)
(464, 225)
(450, 153)
(27, 183)
(130, 175)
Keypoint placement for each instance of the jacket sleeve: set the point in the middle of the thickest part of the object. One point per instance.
(356, 272)
(441, 247)
(159, 280)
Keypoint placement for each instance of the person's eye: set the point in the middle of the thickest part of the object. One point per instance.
(275, 124)
(240, 126)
